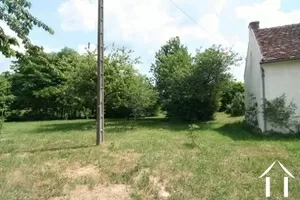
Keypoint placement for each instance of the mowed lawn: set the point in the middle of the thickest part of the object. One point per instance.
(153, 159)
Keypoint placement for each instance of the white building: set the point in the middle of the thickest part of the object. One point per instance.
(272, 67)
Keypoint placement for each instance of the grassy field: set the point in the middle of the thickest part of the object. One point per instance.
(153, 160)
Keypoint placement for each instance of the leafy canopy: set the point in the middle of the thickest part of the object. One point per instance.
(189, 87)
(64, 84)
(16, 15)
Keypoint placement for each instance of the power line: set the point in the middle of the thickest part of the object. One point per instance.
(191, 18)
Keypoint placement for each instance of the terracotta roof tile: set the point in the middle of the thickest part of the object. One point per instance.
(279, 43)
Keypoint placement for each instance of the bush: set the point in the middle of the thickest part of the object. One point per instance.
(251, 112)
(1, 123)
(237, 107)
(229, 92)
(282, 115)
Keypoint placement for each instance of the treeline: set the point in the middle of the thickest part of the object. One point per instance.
(62, 85)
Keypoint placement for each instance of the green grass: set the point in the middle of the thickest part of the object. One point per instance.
(58, 160)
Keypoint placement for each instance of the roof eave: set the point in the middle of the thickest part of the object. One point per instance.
(278, 60)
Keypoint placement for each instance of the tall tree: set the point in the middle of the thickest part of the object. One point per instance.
(38, 81)
(15, 13)
(172, 64)
(211, 71)
(189, 87)
(6, 97)
(126, 91)
(140, 96)
(229, 91)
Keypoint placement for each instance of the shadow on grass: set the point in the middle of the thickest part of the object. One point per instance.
(241, 132)
(66, 126)
(235, 130)
(51, 149)
(119, 126)
(111, 125)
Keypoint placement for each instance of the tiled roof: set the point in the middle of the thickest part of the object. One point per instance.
(279, 43)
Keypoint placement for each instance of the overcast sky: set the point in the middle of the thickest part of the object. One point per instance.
(144, 26)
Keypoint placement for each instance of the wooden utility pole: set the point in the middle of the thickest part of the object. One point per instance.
(100, 77)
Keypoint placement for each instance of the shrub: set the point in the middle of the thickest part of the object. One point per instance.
(229, 92)
(237, 107)
(251, 112)
(282, 115)
(1, 123)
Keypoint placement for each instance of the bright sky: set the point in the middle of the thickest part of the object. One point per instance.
(144, 26)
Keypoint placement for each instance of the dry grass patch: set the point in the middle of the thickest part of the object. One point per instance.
(77, 172)
(253, 152)
(149, 186)
(266, 150)
(100, 192)
(234, 164)
(16, 178)
(91, 172)
(24, 155)
(4, 155)
(160, 187)
(123, 161)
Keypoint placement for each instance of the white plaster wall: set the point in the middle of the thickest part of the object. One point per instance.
(283, 78)
(252, 76)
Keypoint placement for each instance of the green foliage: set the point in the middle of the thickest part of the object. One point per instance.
(6, 97)
(140, 96)
(63, 85)
(1, 123)
(38, 82)
(127, 93)
(251, 111)
(210, 73)
(237, 107)
(16, 15)
(282, 115)
(189, 88)
(230, 90)
(191, 136)
(173, 63)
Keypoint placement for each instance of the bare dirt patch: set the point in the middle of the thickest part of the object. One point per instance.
(100, 192)
(154, 184)
(162, 193)
(114, 162)
(4, 155)
(77, 172)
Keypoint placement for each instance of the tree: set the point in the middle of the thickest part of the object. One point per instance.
(126, 91)
(62, 85)
(38, 82)
(189, 88)
(237, 105)
(210, 72)
(140, 96)
(229, 91)
(6, 97)
(15, 13)
(173, 63)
